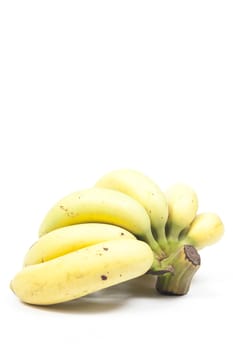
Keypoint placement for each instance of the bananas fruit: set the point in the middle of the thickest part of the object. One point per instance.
(183, 205)
(122, 227)
(80, 271)
(206, 229)
(145, 191)
(101, 205)
(71, 238)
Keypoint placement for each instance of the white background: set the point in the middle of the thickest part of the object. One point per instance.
(91, 86)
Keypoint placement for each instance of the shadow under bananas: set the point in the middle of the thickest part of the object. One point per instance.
(107, 299)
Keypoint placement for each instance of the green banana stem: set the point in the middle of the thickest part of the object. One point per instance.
(161, 237)
(149, 238)
(185, 261)
(158, 268)
(173, 233)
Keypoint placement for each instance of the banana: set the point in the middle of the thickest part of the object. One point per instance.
(82, 272)
(101, 205)
(182, 205)
(206, 229)
(70, 238)
(145, 191)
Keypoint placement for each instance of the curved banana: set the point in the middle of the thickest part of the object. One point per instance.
(145, 191)
(82, 272)
(70, 238)
(206, 229)
(101, 205)
(182, 205)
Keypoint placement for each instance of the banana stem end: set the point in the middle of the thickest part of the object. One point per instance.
(186, 261)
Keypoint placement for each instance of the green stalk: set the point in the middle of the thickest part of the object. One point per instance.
(159, 267)
(185, 262)
(149, 238)
(173, 232)
(162, 238)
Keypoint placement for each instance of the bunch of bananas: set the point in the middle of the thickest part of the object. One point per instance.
(120, 229)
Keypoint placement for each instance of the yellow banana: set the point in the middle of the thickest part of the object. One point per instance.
(101, 205)
(182, 205)
(82, 272)
(206, 229)
(70, 238)
(145, 191)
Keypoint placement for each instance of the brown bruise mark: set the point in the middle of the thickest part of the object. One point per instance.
(105, 248)
(68, 213)
(71, 213)
(104, 277)
(63, 208)
(122, 234)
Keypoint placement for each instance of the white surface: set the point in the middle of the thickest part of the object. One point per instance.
(91, 86)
